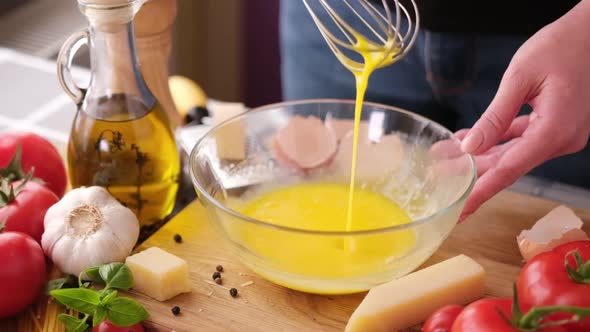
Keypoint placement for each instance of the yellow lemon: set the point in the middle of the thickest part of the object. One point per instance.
(186, 94)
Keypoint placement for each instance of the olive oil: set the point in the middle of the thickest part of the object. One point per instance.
(128, 148)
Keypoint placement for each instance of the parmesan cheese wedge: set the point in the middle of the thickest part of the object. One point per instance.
(159, 274)
(409, 300)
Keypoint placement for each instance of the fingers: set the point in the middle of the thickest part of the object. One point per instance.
(446, 149)
(491, 157)
(462, 133)
(528, 152)
(517, 128)
(514, 89)
(449, 158)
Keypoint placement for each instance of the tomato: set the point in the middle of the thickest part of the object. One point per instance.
(22, 272)
(442, 319)
(544, 281)
(107, 326)
(483, 316)
(25, 211)
(36, 152)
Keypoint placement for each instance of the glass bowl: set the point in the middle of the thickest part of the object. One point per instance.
(424, 172)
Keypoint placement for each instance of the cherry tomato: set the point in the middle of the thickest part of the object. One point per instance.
(442, 319)
(22, 272)
(36, 152)
(483, 316)
(544, 281)
(26, 211)
(107, 326)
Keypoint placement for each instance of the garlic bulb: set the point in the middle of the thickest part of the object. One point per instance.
(88, 227)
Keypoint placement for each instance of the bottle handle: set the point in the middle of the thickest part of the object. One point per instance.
(64, 64)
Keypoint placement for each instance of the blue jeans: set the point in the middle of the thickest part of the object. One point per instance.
(449, 78)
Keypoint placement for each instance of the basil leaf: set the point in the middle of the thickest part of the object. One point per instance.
(67, 282)
(116, 275)
(80, 299)
(108, 271)
(92, 273)
(72, 323)
(124, 312)
(108, 296)
(99, 315)
(55, 284)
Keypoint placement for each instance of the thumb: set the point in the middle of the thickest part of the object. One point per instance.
(512, 93)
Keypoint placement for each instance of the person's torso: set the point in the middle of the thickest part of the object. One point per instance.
(497, 16)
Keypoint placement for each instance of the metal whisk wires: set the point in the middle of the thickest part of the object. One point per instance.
(393, 33)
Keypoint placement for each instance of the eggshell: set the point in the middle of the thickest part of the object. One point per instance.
(374, 159)
(559, 226)
(280, 156)
(305, 142)
(342, 127)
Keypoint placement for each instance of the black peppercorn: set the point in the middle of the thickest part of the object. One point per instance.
(218, 281)
(219, 268)
(233, 292)
(216, 275)
(175, 310)
(177, 238)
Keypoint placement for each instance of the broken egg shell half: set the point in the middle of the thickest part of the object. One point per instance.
(305, 142)
(280, 155)
(375, 159)
(342, 127)
(561, 225)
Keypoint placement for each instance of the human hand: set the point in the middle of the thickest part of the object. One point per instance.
(550, 72)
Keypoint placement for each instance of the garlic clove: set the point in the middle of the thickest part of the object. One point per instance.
(51, 235)
(110, 249)
(127, 232)
(64, 247)
(559, 226)
(54, 215)
(120, 243)
(98, 197)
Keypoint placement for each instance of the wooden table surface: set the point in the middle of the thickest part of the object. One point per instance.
(488, 237)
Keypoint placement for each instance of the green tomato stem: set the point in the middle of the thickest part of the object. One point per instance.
(581, 274)
(85, 319)
(8, 192)
(14, 170)
(80, 283)
(535, 315)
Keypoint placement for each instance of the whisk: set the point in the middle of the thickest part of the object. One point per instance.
(391, 39)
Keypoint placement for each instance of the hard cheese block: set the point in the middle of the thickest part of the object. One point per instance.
(409, 300)
(231, 138)
(159, 274)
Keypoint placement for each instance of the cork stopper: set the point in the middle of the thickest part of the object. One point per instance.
(106, 13)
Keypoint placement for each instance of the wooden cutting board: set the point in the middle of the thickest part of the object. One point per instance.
(488, 237)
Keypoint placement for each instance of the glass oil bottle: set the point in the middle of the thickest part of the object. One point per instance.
(121, 138)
